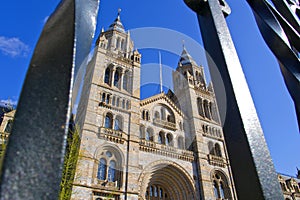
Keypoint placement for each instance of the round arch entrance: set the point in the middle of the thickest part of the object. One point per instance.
(165, 180)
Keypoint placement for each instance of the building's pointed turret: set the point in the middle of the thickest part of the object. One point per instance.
(190, 70)
(186, 58)
(117, 24)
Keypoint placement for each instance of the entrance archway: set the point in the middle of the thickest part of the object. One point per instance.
(165, 180)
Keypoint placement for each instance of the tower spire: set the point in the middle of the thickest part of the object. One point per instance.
(119, 13)
(160, 73)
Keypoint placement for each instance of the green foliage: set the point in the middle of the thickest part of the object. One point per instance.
(2, 149)
(71, 157)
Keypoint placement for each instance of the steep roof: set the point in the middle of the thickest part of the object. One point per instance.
(161, 96)
(117, 24)
(186, 58)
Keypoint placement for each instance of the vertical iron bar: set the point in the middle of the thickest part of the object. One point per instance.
(34, 157)
(253, 170)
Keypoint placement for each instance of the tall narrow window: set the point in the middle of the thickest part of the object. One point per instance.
(161, 193)
(107, 76)
(113, 100)
(147, 136)
(151, 191)
(222, 191)
(216, 190)
(118, 43)
(200, 106)
(123, 104)
(112, 171)
(117, 78)
(169, 139)
(8, 126)
(142, 132)
(206, 109)
(103, 97)
(108, 99)
(211, 148)
(125, 81)
(118, 102)
(117, 124)
(143, 115)
(155, 192)
(108, 120)
(123, 44)
(159, 140)
(218, 150)
(102, 169)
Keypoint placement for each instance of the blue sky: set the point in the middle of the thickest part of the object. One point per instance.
(22, 22)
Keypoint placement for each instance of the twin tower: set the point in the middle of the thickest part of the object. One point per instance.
(166, 147)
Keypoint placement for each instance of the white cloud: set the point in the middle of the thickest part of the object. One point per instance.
(13, 47)
(8, 102)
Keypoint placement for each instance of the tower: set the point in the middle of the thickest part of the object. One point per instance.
(203, 130)
(108, 114)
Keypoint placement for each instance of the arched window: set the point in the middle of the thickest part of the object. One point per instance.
(118, 124)
(147, 115)
(169, 140)
(107, 76)
(108, 120)
(211, 148)
(118, 102)
(123, 104)
(103, 97)
(102, 169)
(159, 139)
(200, 106)
(123, 44)
(125, 81)
(8, 126)
(118, 43)
(113, 100)
(218, 150)
(112, 171)
(220, 185)
(206, 109)
(117, 78)
(107, 100)
(149, 134)
(143, 114)
(142, 132)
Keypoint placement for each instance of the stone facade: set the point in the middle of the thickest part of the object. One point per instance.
(5, 127)
(290, 186)
(168, 146)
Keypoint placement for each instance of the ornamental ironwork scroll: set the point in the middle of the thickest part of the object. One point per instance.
(279, 25)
